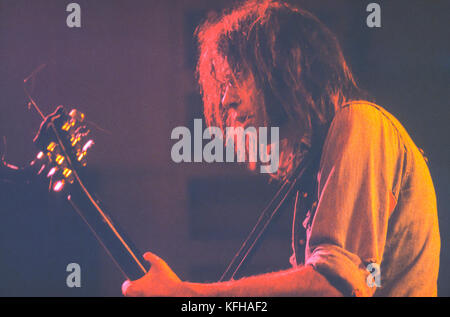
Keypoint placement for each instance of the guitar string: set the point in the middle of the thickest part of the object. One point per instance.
(86, 192)
(96, 235)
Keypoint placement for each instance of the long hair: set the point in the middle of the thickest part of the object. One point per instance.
(295, 60)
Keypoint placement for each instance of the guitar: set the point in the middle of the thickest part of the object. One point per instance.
(63, 145)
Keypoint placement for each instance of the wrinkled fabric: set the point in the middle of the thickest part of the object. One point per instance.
(376, 212)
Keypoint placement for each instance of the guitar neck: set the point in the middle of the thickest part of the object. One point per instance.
(122, 251)
(61, 140)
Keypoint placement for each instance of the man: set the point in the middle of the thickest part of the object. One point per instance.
(373, 228)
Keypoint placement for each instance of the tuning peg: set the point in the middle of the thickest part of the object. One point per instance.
(51, 147)
(81, 155)
(68, 124)
(41, 169)
(74, 139)
(77, 115)
(87, 145)
(41, 162)
(67, 172)
(58, 186)
(59, 159)
(52, 171)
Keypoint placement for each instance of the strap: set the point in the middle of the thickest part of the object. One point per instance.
(268, 213)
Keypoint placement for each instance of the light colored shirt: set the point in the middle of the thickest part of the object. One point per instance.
(376, 206)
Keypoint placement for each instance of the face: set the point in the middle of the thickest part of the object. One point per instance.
(242, 104)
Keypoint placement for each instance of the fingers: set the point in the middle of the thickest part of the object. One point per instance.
(132, 289)
(160, 280)
(154, 260)
(125, 286)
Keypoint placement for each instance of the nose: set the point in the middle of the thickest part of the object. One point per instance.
(230, 97)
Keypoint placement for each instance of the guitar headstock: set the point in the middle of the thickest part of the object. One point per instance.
(63, 143)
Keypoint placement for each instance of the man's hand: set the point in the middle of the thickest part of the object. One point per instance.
(159, 281)
(298, 281)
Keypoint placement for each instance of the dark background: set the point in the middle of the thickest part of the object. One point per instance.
(130, 68)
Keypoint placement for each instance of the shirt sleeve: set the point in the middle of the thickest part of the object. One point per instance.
(358, 171)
